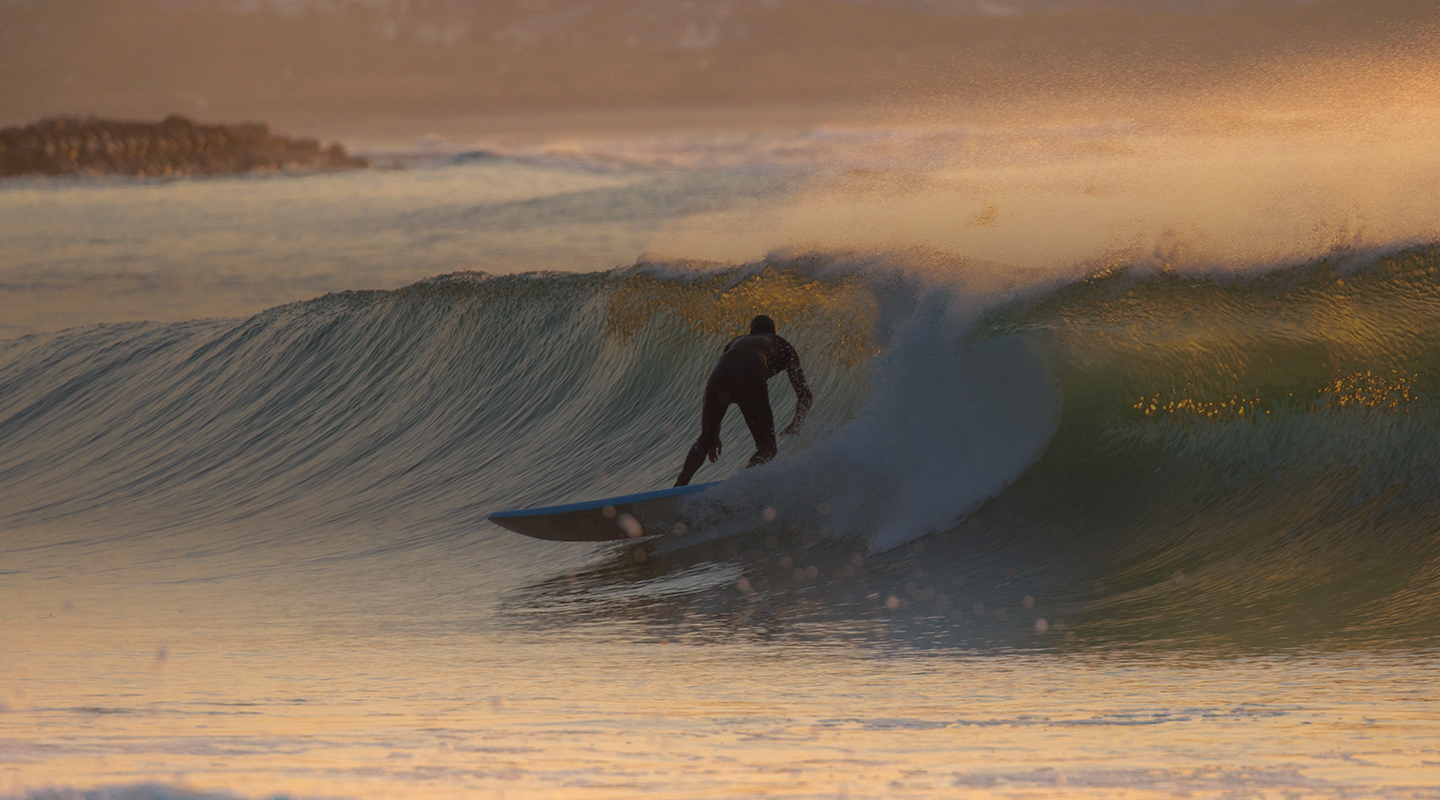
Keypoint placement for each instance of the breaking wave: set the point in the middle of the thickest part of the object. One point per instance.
(1138, 451)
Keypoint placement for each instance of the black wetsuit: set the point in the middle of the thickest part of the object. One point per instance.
(740, 377)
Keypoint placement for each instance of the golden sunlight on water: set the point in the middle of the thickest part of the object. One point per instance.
(841, 313)
(291, 705)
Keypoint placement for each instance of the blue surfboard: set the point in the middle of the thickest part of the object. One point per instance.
(629, 516)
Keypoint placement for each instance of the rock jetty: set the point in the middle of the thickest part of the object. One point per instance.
(174, 147)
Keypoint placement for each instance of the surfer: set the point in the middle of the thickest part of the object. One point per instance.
(740, 377)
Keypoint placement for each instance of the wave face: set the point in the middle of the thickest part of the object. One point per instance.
(428, 406)
(1132, 455)
(1255, 455)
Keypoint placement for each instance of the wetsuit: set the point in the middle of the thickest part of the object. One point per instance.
(740, 377)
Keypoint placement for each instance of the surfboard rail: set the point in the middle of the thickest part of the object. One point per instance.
(629, 516)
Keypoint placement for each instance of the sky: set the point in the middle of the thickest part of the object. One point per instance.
(328, 66)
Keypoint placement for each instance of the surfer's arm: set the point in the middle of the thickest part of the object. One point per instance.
(803, 397)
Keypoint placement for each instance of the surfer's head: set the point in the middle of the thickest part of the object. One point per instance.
(762, 324)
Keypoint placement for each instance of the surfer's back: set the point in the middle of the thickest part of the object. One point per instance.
(768, 353)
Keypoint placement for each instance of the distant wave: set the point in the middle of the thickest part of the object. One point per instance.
(470, 157)
(815, 148)
(139, 791)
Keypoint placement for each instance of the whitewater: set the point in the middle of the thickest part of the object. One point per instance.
(1121, 479)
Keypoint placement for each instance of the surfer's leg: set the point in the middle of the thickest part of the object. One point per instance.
(716, 401)
(754, 402)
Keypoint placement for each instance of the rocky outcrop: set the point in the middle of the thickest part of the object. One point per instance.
(173, 147)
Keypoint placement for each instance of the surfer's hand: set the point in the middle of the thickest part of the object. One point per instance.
(714, 453)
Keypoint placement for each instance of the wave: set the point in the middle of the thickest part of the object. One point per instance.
(433, 404)
(139, 791)
(1139, 451)
(818, 149)
(1245, 461)
(470, 157)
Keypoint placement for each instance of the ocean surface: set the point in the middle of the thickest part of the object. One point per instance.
(1122, 480)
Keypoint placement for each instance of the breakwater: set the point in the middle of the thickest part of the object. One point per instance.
(174, 146)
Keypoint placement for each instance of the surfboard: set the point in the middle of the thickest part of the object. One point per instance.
(629, 516)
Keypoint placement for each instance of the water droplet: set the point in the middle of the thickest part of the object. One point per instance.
(630, 525)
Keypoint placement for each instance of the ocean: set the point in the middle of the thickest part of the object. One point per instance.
(1122, 479)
